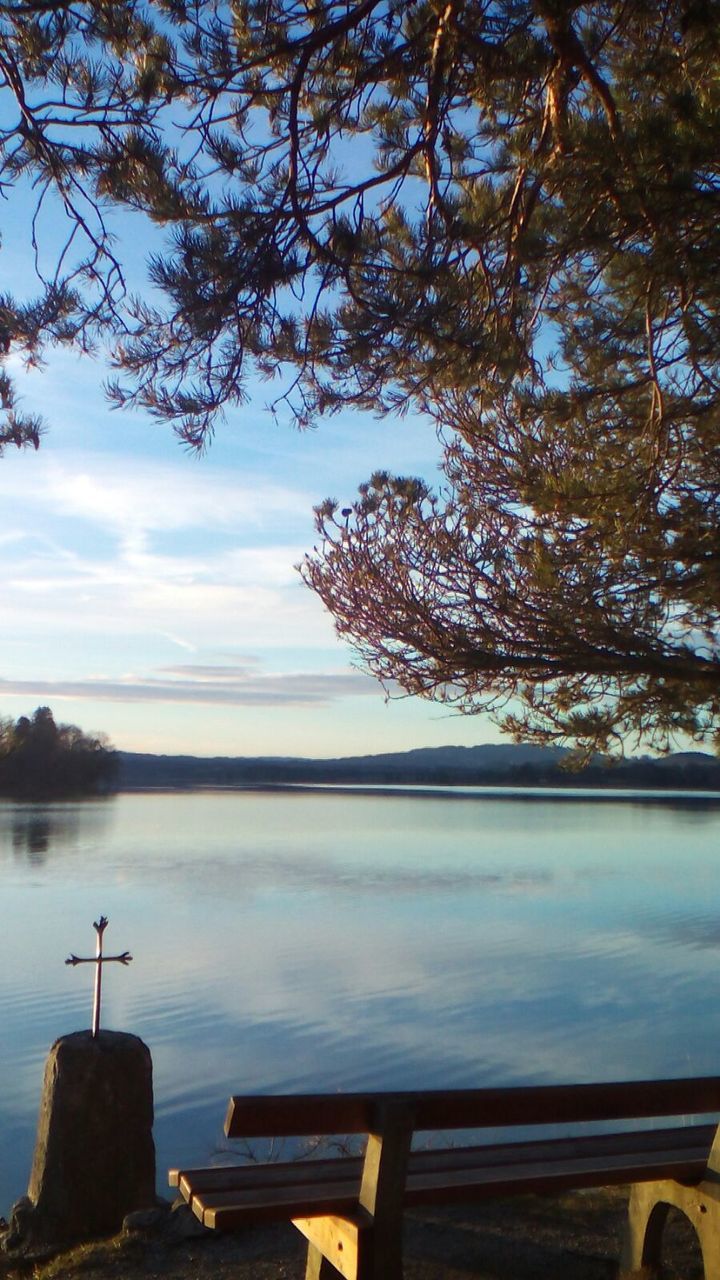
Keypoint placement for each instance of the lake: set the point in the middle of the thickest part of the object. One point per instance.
(321, 940)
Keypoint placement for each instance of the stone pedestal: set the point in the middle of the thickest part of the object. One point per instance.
(94, 1155)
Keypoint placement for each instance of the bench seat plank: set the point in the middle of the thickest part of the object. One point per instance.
(544, 1178)
(225, 1197)
(225, 1177)
(198, 1182)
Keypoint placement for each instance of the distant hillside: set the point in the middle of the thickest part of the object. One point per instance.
(506, 764)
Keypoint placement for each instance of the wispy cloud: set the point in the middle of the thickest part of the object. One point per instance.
(181, 644)
(105, 547)
(134, 496)
(241, 685)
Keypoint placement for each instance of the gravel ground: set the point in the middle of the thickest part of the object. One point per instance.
(572, 1237)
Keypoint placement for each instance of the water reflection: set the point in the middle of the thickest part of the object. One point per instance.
(35, 831)
(31, 837)
(339, 942)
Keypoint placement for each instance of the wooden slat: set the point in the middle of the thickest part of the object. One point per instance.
(294, 1116)
(226, 1177)
(228, 1210)
(694, 1138)
(515, 1179)
(226, 1197)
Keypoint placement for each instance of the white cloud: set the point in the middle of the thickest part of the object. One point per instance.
(133, 497)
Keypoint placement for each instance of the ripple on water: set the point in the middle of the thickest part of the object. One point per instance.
(336, 942)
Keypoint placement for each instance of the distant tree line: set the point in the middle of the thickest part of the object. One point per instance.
(40, 758)
(684, 772)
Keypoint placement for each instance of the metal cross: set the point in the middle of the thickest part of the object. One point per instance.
(99, 960)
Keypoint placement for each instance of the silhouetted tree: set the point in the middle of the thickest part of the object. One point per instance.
(41, 758)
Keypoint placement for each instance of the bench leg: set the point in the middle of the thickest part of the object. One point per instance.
(318, 1267)
(642, 1243)
(647, 1215)
(340, 1247)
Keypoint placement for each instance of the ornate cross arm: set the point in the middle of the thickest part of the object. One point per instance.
(125, 958)
(99, 960)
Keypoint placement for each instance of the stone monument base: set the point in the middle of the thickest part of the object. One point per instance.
(94, 1156)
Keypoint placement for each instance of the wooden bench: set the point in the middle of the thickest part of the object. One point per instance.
(350, 1208)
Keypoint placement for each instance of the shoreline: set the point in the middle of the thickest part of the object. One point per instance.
(452, 792)
(410, 790)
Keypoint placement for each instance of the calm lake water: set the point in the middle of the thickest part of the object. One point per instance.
(320, 940)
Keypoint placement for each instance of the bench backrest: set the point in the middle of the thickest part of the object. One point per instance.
(302, 1115)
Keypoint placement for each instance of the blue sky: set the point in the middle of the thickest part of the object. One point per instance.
(151, 594)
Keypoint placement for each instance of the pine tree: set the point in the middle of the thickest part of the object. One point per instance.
(505, 215)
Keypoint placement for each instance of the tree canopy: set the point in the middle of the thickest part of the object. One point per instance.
(504, 214)
(40, 758)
